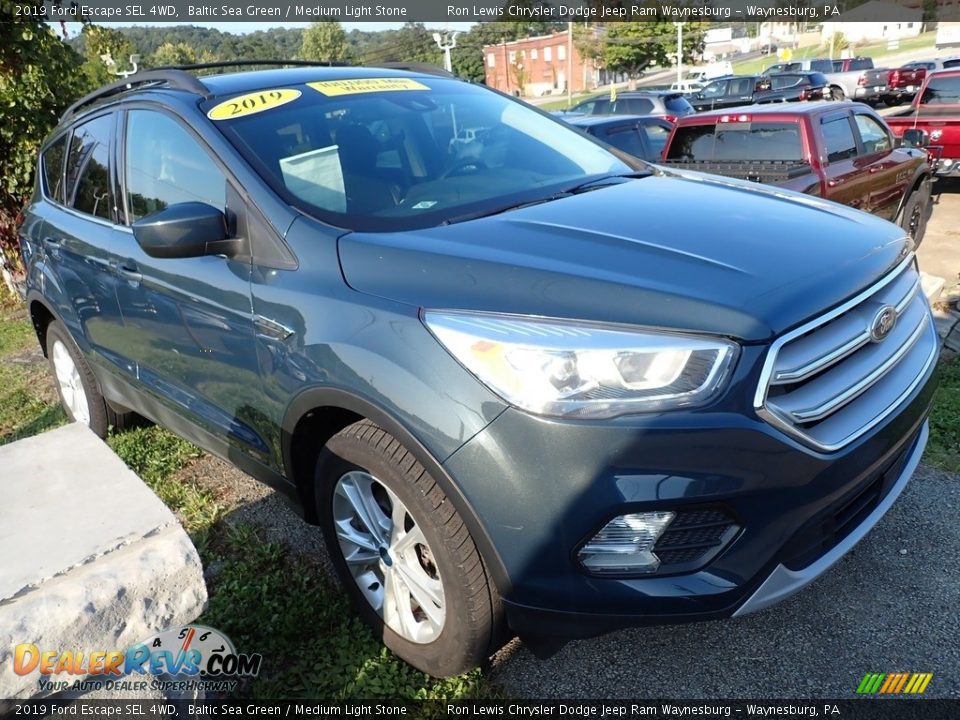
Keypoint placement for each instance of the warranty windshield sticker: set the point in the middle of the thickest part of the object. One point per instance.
(253, 103)
(365, 85)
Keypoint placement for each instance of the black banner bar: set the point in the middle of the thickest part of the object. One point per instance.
(860, 709)
(279, 11)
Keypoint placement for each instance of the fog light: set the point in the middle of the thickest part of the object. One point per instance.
(625, 544)
(947, 163)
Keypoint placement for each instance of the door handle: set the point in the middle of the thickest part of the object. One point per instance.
(834, 183)
(128, 271)
(51, 242)
(873, 169)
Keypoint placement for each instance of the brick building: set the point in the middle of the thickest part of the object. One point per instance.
(537, 66)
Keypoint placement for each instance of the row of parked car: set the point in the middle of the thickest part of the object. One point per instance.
(844, 152)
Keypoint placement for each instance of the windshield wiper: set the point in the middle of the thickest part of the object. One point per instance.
(607, 180)
(504, 208)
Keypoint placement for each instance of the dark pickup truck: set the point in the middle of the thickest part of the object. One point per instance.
(935, 118)
(840, 151)
(739, 90)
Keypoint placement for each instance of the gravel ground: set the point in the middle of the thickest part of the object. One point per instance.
(888, 606)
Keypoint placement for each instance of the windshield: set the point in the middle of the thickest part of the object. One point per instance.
(387, 154)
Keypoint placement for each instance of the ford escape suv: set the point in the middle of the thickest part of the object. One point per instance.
(524, 383)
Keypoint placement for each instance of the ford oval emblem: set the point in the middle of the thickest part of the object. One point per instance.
(883, 323)
(936, 135)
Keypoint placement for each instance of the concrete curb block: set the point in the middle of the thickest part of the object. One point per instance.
(93, 560)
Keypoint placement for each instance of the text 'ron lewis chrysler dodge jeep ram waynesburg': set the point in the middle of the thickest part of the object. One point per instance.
(524, 383)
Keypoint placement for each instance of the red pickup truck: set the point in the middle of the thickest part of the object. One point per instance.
(840, 151)
(934, 118)
(903, 82)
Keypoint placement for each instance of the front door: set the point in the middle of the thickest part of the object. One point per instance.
(187, 322)
(887, 176)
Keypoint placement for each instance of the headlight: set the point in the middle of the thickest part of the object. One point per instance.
(584, 370)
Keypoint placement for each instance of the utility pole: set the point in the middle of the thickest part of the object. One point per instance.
(570, 64)
(446, 42)
(679, 53)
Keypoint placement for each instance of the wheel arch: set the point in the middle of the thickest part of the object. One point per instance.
(317, 414)
(921, 174)
(41, 315)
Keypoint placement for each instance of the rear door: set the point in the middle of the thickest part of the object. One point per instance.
(887, 175)
(845, 175)
(79, 226)
(739, 92)
(713, 93)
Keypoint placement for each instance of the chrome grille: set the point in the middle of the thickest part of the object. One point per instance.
(831, 380)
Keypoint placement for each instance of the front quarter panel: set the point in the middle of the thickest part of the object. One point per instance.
(315, 333)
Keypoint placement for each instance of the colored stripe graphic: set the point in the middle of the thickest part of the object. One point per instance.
(894, 683)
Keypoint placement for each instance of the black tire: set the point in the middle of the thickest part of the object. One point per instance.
(101, 416)
(472, 628)
(916, 213)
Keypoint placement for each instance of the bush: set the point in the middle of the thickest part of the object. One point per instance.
(39, 77)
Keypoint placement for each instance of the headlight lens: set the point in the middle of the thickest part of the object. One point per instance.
(584, 370)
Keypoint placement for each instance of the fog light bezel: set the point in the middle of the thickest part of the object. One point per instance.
(727, 538)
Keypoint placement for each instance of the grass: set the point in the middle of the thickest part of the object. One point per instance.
(266, 598)
(943, 448)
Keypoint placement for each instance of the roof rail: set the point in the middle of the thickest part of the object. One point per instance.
(254, 63)
(173, 78)
(420, 67)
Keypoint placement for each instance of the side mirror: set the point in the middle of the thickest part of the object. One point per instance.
(914, 137)
(185, 230)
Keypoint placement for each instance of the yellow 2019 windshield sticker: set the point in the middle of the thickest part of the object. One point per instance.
(253, 103)
(365, 85)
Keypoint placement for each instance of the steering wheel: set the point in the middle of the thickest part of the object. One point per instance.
(464, 167)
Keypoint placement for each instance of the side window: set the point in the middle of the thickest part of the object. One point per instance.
(715, 89)
(88, 187)
(656, 138)
(872, 134)
(838, 136)
(636, 106)
(53, 169)
(164, 166)
(741, 86)
(626, 139)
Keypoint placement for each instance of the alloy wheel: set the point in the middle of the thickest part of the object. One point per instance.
(388, 557)
(71, 386)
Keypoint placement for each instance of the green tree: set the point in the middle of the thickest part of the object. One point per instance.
(632, 47)
(173, 54)
(325, 41)
(39, 77)
(99, 41)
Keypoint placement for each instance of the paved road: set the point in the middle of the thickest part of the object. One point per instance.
(939, 254)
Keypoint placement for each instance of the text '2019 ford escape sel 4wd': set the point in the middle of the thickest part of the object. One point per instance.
(524, 383)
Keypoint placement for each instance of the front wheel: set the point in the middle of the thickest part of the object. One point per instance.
(916, 212)
(403, 553)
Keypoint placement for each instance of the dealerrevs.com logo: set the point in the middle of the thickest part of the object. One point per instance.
(184, 659)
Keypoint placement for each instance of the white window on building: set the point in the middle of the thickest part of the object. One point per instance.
(533, 53)
(561, 52)
(546, 54)
(513, 57)
(491, 60)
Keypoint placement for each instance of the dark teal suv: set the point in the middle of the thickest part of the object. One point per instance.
(524, 382)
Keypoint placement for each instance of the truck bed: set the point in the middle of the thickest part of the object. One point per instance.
(769, 172)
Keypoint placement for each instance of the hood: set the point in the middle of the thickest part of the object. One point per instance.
(685, 251)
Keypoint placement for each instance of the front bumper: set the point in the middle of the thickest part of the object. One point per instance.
(947, 168)
(543, 487)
